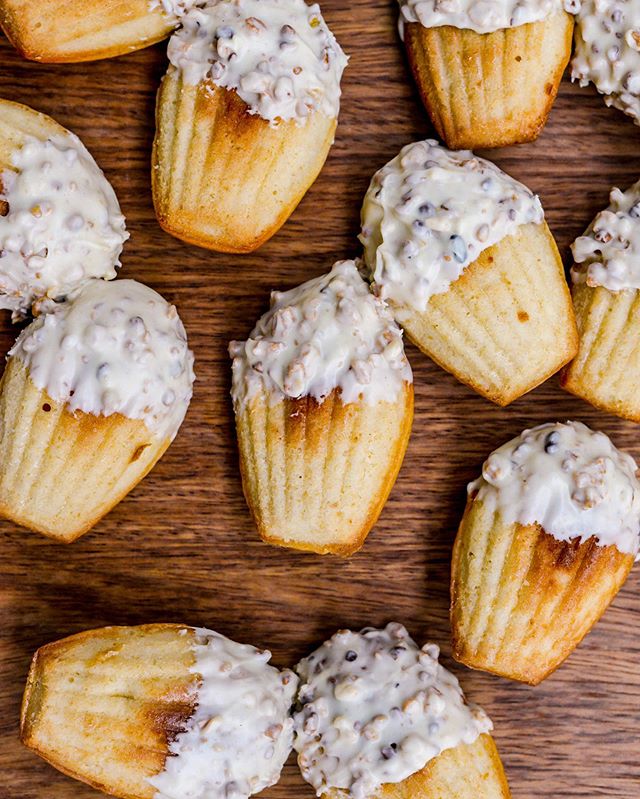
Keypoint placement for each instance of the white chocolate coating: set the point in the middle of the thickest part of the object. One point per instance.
(607, 52)
(481, 16)
(608, 254)
(375, 709)
(64, 225)
(429, 213)
(569, 479)
(114, 347)
(328, 333)
(241, 732)
(172, 8)
(278, 55)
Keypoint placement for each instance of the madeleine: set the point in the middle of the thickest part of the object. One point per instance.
(380, 717)
(159, 710)
(548, 537)
(323, 399)
(245, 118)
(488, 72)
(462, 254)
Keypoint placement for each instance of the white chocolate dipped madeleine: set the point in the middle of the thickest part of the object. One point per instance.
(378, 716)
(607, 52)
(52, 31)
(61, 225)
(461, 252)
(548, 537)
(488, 71)
(606, 283)
(323, 398)
(160, 711)
(93, 394)
(246, 116)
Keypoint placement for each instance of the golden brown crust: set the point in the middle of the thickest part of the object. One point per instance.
(606, 369)
(491, 89)
(73, 714)
(81, 30)
(507, 324)
(62, 472)
(316, 476)
(521, 600)
(467, 771)
(223, 178)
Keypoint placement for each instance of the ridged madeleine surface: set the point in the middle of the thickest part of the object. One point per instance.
(507, 323)
(104, 705)
(56, 31)
(467, 771)
(316, 476)
(521, 600)
(223, 178)
(60, 473)
(606, 370)
(489, 89)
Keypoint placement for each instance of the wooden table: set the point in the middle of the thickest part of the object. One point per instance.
(182, 548)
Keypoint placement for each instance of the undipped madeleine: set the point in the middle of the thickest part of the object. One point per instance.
(548, 537)
(323, 399)
(245, 118)
(463, 256)
(159, 710)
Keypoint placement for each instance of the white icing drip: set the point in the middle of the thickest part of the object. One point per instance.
(607, 52)
(430, 212)
(570, 480)
(240, 735)
(64, 225)
(172, 8)
(328, 333)
(376, 709)
(113, 348)
(278, 55)
(609, 252)
(481, 16)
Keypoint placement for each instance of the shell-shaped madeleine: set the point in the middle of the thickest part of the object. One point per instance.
(506, 324)
(415, 733)
(103, 706)
(521, 600)
(489, 89)
(61, 471)
(82, 30)
(317, 475)
(606, 286)
(606, 369)
(160, 710)
(323, 399)
(94, 392)
(226, 179)
(466, 771)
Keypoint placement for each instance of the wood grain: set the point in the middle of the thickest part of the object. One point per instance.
(181, 547)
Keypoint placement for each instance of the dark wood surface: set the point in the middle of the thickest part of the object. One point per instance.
(181, 547)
